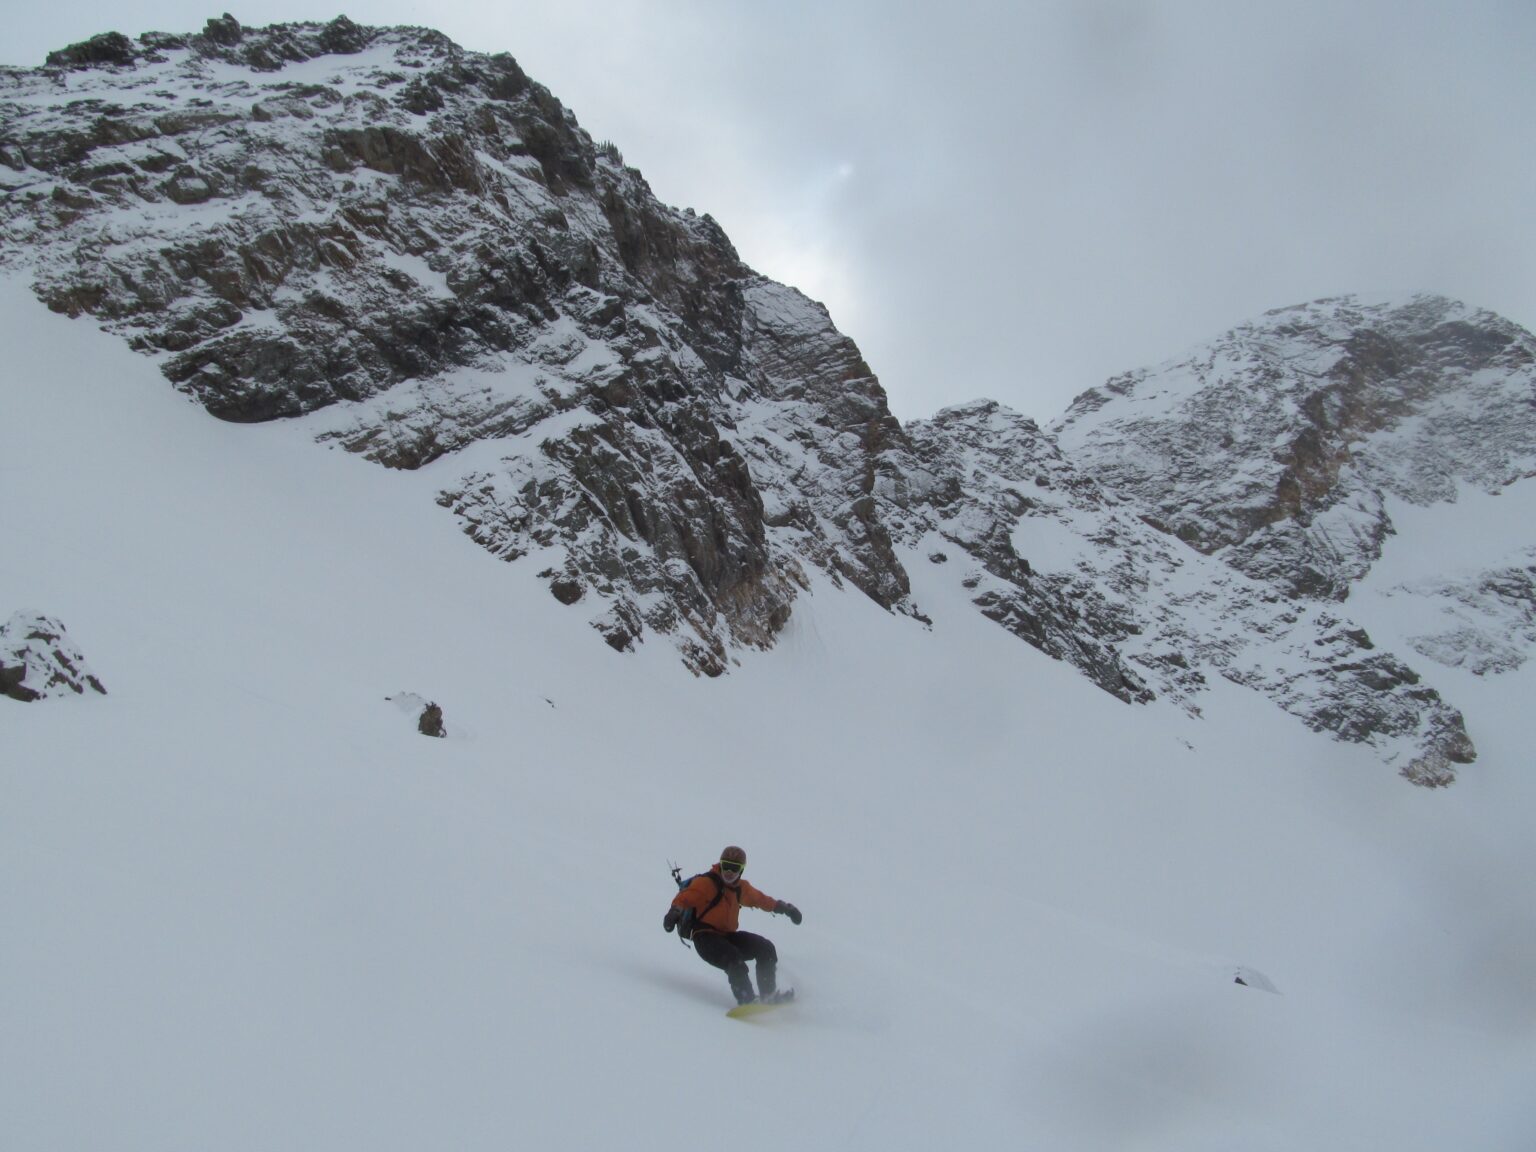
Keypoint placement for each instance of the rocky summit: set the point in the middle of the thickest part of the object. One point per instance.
(1277, 445)
(422, 241)
(418, 252)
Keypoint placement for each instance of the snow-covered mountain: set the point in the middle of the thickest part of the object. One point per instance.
(1092, 890)
(1282, 447)
(416, 250)
(1278, 445)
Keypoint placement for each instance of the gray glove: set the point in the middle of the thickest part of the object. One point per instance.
(785, 908)
(669, 921)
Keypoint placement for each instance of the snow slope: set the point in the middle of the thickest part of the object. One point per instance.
(243, 905)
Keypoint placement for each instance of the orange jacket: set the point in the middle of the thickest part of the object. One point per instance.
(700, 893)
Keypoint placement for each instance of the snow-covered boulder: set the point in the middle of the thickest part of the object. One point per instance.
(38, 660)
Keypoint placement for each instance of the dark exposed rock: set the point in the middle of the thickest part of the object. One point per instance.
(225, 30)
(159, 42)
(421, 97)
(341, 37)
(110, 48)
(189, 186)
(428, 714)
(431, 722)
(38, 659)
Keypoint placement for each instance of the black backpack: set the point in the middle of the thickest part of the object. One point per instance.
(690, 918)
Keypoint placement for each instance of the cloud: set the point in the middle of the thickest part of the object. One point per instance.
(1018, 201)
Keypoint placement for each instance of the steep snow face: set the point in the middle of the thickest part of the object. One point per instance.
(1277, 445)
(245, 906)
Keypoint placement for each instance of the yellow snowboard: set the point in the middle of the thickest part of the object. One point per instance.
(758, 1007)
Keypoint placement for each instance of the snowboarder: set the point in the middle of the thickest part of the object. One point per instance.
(705, 911)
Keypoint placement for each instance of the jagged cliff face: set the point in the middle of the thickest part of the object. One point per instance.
(1277, 445)
(1278, 448)
(1074, 568)
(423, 241)
(416, 251)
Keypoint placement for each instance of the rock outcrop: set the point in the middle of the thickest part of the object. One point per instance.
(38, 660)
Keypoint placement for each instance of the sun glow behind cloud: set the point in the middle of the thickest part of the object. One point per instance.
(804, 247)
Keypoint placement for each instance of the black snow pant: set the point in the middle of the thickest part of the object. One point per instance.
(731, 951)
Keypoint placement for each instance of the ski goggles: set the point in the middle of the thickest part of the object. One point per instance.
(734, 866)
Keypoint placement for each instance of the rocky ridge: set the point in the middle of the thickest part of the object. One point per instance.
(1280, 448)
(1075, 568)
(417, 250)
(1278, 445)
(422, 241)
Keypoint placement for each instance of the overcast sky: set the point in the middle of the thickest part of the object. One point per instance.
(1019, 200)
